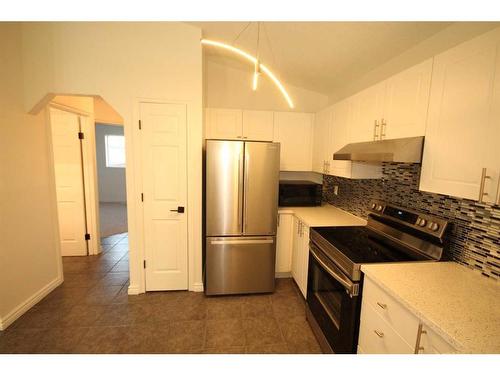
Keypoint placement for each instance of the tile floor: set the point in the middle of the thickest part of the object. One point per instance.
(91, 312)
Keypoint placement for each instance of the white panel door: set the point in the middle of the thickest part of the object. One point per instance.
(67, 150)
(321, 141)
(224, 123)
(366, 109)
(258, 125)
(406, 102)
(462, 135)
(165, 189)
(294, 132)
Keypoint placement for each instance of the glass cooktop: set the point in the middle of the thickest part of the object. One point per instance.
(362, 245)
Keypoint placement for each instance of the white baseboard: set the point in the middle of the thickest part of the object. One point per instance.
(20, 309)
(196, 287)
(133, 290)
(283, 275)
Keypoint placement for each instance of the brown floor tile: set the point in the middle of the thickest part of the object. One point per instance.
(285, 286)
(101, 295)
(287, 306)
(139, 339)
(298, 335)
(224, 333)
(256, 306)
(101, 340)
(18, 341)
(224, 308)
(83, 316)
(262, 331)
(226, 350)
(186, 335)
(268, 349)
(40, 318)
(60, 340)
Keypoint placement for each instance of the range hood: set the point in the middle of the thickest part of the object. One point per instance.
(403, 150)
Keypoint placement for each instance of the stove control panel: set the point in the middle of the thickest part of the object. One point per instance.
(419, 221)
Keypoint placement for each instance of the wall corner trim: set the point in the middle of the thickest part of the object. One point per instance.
(134, 290)
(23, 307)
(196, 287)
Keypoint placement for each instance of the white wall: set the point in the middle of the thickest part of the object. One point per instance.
(111, 181)
(29, 259)
(228, 87)
(124, 63)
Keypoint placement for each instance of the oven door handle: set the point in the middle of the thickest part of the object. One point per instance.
(335, 272)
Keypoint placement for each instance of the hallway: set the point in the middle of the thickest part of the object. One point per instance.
(91, 312)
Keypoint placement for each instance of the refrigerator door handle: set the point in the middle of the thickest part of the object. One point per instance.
(240, 193)
(245, 205)
(240, 242)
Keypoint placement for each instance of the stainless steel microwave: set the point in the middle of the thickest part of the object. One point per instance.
(294, 193)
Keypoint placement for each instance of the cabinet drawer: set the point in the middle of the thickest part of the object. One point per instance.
(404, 322)
(432, 343)
(376, 336)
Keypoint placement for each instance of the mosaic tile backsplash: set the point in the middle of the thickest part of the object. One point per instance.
(474, 236)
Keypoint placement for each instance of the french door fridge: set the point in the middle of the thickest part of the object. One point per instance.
(242, 180)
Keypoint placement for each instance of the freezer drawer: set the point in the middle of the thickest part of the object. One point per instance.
(237, 265)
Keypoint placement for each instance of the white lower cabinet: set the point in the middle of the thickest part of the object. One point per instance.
(387, 327)
(300, 254)
(284, 243)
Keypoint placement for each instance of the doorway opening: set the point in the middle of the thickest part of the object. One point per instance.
(88, 149)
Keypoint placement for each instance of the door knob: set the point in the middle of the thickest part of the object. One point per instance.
(179, 210)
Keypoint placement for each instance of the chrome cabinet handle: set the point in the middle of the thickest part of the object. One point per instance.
(382, 128)
(382, 305)
(420, 332)
(375, 135)
(498, 190)
(484, 176)
(378, 333)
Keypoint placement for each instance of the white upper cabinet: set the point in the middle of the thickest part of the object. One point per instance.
(258, 125)
(394, 108)
(321, 161)
(366, 113)
(406, 102)
(463, 127)
(339, 137)
(294, 131)
(224, 123)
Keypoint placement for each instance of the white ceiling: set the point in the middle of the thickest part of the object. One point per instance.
(319, 56)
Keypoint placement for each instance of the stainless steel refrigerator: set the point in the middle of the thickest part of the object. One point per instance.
(241, 203)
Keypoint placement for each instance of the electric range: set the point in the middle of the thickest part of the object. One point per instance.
(392, 234)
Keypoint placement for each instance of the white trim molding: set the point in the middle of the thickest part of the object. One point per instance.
(20, 309)
(196, 287)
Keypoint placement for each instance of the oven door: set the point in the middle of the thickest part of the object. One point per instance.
(333, 301)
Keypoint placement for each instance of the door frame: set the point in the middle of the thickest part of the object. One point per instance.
(193, 205)
(89, 162)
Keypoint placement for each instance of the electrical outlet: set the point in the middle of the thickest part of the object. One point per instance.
(336, 190)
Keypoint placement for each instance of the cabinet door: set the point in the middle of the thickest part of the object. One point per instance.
(321, 141)
(366, 108)
(295, 250)
(304, 258)
(224, 123)
(432, 343)
(294, 132)
(258, 125)
(284, 243)
(406, 102)
(462, 135)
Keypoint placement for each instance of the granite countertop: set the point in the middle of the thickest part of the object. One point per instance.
(458, 303)
(324, 216)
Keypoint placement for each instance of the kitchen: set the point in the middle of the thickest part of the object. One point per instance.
(291, 217)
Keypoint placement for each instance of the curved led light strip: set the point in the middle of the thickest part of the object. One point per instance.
(254, 61)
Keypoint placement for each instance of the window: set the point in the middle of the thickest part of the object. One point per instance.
(115, 151)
